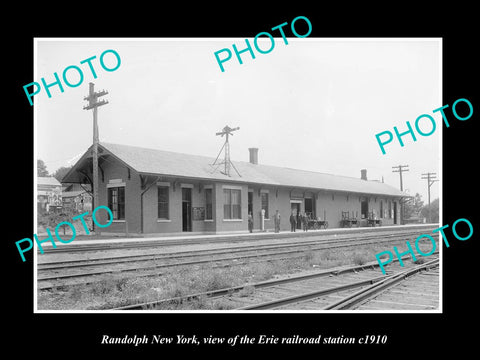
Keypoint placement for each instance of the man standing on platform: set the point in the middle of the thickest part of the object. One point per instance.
(305, 222)
(293, 222)
(277, 221)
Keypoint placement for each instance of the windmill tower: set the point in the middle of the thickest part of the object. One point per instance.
(226, 131)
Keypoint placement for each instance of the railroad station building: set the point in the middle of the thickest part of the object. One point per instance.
(153, 191)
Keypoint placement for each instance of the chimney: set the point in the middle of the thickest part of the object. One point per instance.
(253, 155)
(364, 174)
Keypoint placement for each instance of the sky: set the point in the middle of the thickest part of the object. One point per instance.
(315, 104)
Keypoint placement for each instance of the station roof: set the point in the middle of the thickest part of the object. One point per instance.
(171, 164)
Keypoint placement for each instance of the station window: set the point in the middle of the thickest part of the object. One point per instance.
(208, 205)
(116, 202)
(265, 204)
(232, 204)
(381, 209)
(163, 202)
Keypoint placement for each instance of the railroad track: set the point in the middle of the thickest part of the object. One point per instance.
(418, 292)
(139, 244)
(344, 297)
(72, 263)
(327, 282)
(54, 274)
(53, 265)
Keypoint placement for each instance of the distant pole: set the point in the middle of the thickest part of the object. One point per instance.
(400, 169)
(430, 177)
(94, 104)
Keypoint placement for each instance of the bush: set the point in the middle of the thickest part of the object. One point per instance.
(216, 281)
(51, 219)
(359, 259)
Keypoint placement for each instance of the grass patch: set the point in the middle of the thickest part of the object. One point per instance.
(309, 256)
(360, 258)
(114, 292)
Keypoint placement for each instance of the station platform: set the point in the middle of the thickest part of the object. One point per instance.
(195, 238)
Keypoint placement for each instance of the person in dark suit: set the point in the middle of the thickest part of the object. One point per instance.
(293, 222)
(305, 222)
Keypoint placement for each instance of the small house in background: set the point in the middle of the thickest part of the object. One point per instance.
(77, 197)
(49, 194)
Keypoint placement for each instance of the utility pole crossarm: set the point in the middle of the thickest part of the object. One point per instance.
(92, 98)
(97, 104)
(401, 168)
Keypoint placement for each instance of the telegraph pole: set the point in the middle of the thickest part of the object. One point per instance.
(430, 177)
(93, 103)
(400, 169)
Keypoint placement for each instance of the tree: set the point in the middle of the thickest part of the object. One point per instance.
(413, 207)
(41, 168)
(61, 172)
(432, 213)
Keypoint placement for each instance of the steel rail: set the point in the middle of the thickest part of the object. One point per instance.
(373, 290)
(334, 272)
(190, 253)
(262, 284)
(183, 263)
(203, 261)
(176, 242)
(310, 295)
(379, 283)
(53, 265)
